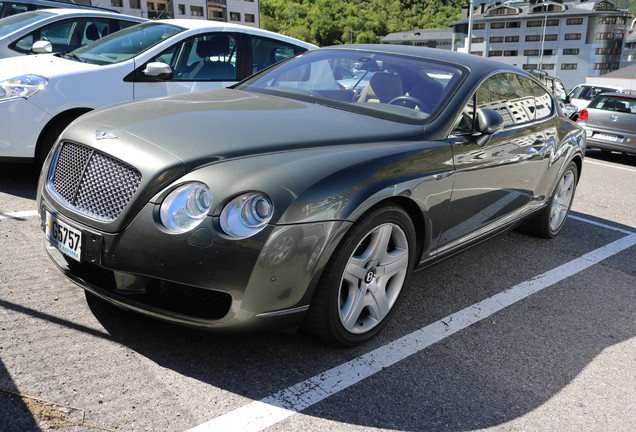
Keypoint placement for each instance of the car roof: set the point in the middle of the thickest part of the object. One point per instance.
(89, 12)
(194, 24)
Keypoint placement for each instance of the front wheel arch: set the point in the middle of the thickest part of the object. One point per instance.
(52, 131)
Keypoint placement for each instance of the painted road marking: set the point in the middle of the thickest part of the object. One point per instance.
(610, 166)
(19, 215)
(279, 406)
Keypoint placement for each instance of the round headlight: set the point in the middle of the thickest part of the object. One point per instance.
(185, 207)
(246, 215)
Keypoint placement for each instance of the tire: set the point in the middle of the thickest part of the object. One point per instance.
(365, 278)
(549, 222)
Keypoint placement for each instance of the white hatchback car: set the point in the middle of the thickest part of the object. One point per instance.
(57, 30)
(41, 94)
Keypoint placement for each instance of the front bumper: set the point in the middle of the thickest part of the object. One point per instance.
(21, 123)
(201, 279)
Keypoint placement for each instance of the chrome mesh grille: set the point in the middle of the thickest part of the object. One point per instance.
(93, 183)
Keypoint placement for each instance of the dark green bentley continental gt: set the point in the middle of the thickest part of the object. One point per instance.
(308, 193)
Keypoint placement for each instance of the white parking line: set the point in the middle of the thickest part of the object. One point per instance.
(275, 408)
(18, 215)
(611, 166)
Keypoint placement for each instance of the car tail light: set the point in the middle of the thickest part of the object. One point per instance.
(583, 115)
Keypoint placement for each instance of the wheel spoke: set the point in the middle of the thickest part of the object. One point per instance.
(399, 261)
(379, 242)
(355, 271)
(351, 310)
(378, 304)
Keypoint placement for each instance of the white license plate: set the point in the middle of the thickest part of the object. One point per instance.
(64, 237)
(607, 137)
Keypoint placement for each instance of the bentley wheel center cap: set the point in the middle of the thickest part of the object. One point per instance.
(370, 276)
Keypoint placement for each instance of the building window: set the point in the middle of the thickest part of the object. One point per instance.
(511, 53)
(496, 39)
(135, 4)
(574, 21)
(479, 26)
(533, 38)
(235, 16)
(196, 10)
(534, 23)
(570, 51)
(250, 18)
(569, 66)
(552, 22)
(512, 38)
(478, 40)
(497, 25)
(117, 3)
(548, 52)
(181, 9)
(553, 37)
(494, 53)
(530, 66)
(477, 53)
(151, 6)
(604, 6)
(547, 66)
(604, 51)
(605, 36)
(534, 52)
(572, 36)
(513, 24)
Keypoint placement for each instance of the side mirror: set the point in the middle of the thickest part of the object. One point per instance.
(489, 121)
(158, 70)
(42, 47)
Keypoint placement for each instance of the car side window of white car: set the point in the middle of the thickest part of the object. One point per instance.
(209, 57)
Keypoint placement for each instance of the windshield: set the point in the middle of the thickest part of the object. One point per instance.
(378, 83)
(125, 44)
(15, 22)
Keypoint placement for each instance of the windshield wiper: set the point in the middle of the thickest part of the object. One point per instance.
(72, 56)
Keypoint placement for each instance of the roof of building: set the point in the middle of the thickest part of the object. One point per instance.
(525, 10)
(419, 35)
(625, 72)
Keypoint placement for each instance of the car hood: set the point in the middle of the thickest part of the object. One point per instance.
(222, 124)
(46, 65)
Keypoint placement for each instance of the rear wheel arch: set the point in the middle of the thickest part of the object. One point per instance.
(52, 131)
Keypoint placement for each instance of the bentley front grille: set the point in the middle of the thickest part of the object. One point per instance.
(91, 182)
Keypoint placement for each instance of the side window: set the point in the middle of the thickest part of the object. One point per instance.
(211, 57)
(559, 91)
(516, 98)
(62, 35)
(266, 52)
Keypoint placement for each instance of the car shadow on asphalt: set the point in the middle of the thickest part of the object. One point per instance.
(19, 180)
(495, 371)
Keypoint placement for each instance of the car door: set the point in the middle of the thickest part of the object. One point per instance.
(497, 177)
(203, 62)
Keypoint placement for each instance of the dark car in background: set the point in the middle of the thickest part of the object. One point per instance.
(58, 30)
(290, 199)
(610, 122)
(12, 7)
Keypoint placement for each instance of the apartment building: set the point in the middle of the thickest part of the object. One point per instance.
(569, 39)
(246, 12)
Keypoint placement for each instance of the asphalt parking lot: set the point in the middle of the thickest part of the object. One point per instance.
(516, 334)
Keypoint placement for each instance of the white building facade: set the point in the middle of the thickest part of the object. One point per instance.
(568, 39)
(246, 12)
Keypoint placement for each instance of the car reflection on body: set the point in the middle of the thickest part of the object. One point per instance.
(610, 122)
(313, 204)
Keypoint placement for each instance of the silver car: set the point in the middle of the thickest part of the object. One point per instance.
(610, 122)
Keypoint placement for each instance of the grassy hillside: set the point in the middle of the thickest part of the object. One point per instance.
(331, 22)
